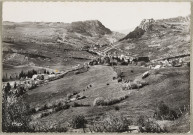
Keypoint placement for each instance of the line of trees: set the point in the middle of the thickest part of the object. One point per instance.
(29, 74)
(22, 74)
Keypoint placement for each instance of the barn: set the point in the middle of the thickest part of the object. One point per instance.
(145, 59)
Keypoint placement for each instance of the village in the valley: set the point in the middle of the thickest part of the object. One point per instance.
(44, 75)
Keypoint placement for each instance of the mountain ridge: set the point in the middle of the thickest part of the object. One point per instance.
(56, 40)
(158, 38)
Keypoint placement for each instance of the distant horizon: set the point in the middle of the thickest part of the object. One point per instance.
(113, 15)
(120, 30)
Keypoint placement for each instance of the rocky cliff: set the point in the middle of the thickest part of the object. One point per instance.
(158, 38)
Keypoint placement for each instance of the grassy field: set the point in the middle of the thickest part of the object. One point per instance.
(97, 76)
(170, 85)
(52, 55)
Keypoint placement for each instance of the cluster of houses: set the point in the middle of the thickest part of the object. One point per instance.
(111, 59)
(115, 59)
(176, 61)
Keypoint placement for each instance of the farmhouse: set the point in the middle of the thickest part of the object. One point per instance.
(145, 59)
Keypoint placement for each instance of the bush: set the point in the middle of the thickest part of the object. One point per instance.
(69, 96)
(99, 101)
(78, 121)
(75, 92)
(117, 108)
(75, 104)
(7, 88)
(61, 106)
(164, 112)
(150, 126)
(48, 127)
(15, 117)
(111, 123)
(21, 90)
(48, 105)
(188, 64)
(119, 79)
(120, 74)
(31, 111)
(155, 71)
(141, 121)
(57, 129)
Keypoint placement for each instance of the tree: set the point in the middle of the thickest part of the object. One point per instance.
(7, 88)
(45, 71)
(21, 91)
(120, 74)
(22, 75)
(15, 85)
(29, 75)
(15, 118)
(78, 121)
(34, 72)
(48, 72)
(107, 60)
(3, 79)
(141, 121)
(16, 75)
(162, 111)
(163, 108)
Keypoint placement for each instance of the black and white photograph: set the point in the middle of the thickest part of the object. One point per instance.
(96, 67)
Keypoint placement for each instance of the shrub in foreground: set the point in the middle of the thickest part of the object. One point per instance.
(163, 112)
(78, 121)
(101, 102)
(49, 126)
(149, 126)
(15, 117)
(111, 123)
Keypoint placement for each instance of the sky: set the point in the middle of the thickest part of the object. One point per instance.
(113, 15)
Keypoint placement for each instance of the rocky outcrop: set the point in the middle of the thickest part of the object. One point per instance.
(89, 28)
(137, 33)
(146, 24)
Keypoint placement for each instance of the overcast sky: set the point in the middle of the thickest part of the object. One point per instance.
(114, 15)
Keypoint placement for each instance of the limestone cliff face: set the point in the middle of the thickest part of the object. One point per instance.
(158, 38)
(89, 28)
(146, 24)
